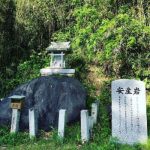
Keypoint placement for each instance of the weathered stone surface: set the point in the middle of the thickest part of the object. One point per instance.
(47, 95)
(85, 129)
(129, 119)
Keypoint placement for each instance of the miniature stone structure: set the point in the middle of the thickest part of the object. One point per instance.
(57, 62)
(88, 121)
(16, 105)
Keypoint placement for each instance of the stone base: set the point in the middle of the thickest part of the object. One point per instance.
(51, 71)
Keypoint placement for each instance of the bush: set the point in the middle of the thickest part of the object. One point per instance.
(26, 71)
(119, 45)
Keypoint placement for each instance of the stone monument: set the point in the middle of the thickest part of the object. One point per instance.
(129, 120)
(57, 62)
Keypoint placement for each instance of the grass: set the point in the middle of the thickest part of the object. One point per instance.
(100, 140)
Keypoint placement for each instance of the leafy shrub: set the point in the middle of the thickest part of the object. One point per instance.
(26, 71)
(31, 68)
(124, 46)
(119, 44)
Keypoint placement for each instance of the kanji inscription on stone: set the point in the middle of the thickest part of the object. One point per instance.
(129, 119)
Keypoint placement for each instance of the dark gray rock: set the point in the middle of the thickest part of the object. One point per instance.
(47, 95)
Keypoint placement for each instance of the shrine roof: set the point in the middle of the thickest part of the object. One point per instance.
(58, 46)
(17, 97)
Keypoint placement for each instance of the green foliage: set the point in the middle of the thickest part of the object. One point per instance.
(12, 139)
(31, 68)
(106, 33)
(100, 139)
(124, 45)
(26, 71)
(111, 35)
(119, 44)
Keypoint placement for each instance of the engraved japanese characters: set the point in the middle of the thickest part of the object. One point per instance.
(129, 120)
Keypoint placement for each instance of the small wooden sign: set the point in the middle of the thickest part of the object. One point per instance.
(16, 105)
(17, 101)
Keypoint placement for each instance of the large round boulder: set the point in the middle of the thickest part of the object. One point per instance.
(47, 95)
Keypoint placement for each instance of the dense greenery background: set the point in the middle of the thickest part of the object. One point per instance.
(110, 39)
(112, 35)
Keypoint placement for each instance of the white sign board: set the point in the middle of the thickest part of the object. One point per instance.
(129, 120)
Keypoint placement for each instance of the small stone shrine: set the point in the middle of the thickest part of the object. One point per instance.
(16, 105)
(57, 62)
(129, 120)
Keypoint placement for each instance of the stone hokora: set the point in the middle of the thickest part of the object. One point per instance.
(57, 51)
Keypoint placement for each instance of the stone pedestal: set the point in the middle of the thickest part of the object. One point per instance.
(51, 71)
(15, 120)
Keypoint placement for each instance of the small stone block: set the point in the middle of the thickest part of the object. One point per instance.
(91, 122)
(94, 112)
(15, 121)
(61, 123)
(85, 134)
(33, 125)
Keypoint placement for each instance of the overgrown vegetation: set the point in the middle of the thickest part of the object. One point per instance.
(101, 137)
(110, 39)
(112, 35)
